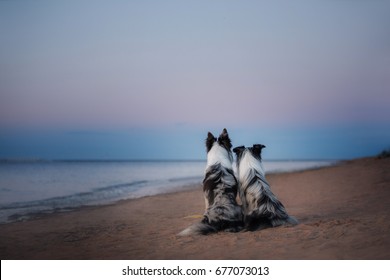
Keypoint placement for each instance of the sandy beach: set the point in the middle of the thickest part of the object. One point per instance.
(344, 213)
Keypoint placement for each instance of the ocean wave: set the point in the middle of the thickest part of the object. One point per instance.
(82, 198)
(98, 196)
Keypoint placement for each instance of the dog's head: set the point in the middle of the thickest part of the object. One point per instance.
(219, 149)
(223, 140)
(255, 151)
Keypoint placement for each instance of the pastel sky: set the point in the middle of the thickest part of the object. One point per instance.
(148, 79)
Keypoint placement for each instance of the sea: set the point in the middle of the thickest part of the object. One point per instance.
(32, 188)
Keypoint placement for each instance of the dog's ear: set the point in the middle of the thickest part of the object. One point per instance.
(224, 133)
(225, 140)
(257, 149)
(210, 141)
(238, 150)
(210, 135)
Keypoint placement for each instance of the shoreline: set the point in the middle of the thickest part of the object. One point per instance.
(31, 216)
(41, 215)
(108, 194)
(343, 211)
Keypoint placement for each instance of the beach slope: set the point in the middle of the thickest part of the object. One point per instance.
(344, 213)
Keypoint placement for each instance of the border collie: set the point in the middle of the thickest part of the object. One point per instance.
(220, 190)
(260, 206)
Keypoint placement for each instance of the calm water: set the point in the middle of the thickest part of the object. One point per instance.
(28, 188)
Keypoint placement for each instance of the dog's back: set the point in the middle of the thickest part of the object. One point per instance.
(220, 190)
(261, 207)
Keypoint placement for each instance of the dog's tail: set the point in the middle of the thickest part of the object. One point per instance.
(289, 220)
(255, 221)
(292, 220)
(198, 228)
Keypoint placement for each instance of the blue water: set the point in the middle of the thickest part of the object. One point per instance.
(30, 188)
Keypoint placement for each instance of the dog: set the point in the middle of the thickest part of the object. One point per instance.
(220, 189)
(260, 206)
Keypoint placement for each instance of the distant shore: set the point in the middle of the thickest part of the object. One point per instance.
(344, 213)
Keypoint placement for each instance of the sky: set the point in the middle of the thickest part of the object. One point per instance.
(149, 79)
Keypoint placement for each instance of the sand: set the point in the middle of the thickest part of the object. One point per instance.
(344, 213)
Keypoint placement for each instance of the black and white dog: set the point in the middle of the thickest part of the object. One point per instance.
(260, 206)
(220, 190)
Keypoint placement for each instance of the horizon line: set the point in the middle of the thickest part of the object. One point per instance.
(81, 160)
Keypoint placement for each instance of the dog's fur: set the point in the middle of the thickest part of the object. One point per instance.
(260, 206)
(220, 190)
